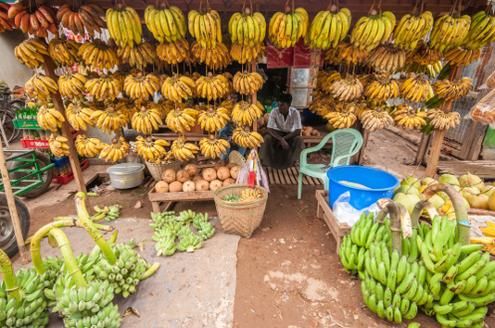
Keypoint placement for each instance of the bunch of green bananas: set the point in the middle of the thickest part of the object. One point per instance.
(370, 31)
(329, 27)
(481, 31)
(247, 28)
(107, 213)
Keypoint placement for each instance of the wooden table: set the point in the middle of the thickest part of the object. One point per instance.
(323, 211)
(169, 199)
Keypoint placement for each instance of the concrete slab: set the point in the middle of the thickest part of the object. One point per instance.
(189, 290)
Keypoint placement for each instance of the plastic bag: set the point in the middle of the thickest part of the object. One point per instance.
(345, 213)
(253, 166)
(484, 110)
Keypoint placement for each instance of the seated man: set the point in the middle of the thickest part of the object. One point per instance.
(283, 141)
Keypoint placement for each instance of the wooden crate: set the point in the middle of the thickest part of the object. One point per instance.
(168, 199)
(323, 211)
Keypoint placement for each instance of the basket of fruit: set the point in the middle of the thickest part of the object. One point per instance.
(240, 208)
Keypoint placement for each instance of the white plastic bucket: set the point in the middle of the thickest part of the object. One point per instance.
(126, 175)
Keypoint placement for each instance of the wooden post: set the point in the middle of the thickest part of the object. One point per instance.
(14, 216)
(422, 147)
(436, 148)
(366, 135)
(66, 132)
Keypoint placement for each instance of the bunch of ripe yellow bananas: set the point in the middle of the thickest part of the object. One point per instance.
(462, 57)
(341, 120)
(245, 113)
(382, 89)
(178, 88)
(138, 56)
(285, 29)
(98, 55)
(124, 25)
(59, 145)
(250, 194)
(374, 119)
(212, 87)
(321, 104)
(245, 54)
(245, 138)
(347, 89)
(371, 31)
(228, 104)
(411, 29)
(71, 85)
(88, 147)
(351, 54)
(481, 31)
(329, 27)
(147, 118)
(151, 150)
(117, 150)
(104, 88)
(139, 86)
(441, 120)
(30, 52)
(449, 32)
(205, 27)
(79, 115)
(247, 28)
(49, 118)
(110, 119)
(63, 52)
(409, 118)
(213, 120)
(387, 58)
(173, 52)
(247, 83)
(182, 150)
(215, 58)
(41, 86)
(212, 147)
(166, 23)
(452, 90)
(181, 120)
(424, 55)
(416, 88)
(325, 80)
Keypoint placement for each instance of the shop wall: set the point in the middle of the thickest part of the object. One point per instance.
(11, 71)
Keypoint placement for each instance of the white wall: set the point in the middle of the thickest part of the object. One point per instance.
(11, 70)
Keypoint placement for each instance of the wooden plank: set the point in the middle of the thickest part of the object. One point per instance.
(285, 177)
(293, 175)
(305, 180)
(477, 211)
(275, 176)
(270, 176)
(423, 146)
(485, 169)
(179, 196)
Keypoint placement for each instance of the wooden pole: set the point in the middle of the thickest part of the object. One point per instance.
(366, 135)
(14, 215)
(422, 147)
(66, 131)
(254, 96)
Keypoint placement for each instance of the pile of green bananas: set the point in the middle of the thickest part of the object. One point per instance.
(107, 213)
(184, 232)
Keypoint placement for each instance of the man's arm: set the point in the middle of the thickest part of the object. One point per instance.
(293, 134)
(274, 133)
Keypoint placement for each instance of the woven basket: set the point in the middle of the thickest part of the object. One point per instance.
(156, 170)
(239, 218)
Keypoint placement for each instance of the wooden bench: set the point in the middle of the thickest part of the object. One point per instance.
(169, 199)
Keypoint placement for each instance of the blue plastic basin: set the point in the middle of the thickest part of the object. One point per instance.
(373, 184)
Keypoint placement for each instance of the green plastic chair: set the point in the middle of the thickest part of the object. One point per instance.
(345, 144)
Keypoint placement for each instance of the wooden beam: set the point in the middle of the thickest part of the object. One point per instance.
(422, 147)
(436, 147)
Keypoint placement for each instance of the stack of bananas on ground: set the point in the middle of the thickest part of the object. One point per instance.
(452, 90)
(139, 86)
(124, 25)
(416, 88)
(88, 147)
(138, 56)
(247, 28)
(352, 55)
(329, 28)
(246, 138)
(449, 32)
(182, 150)
(63, 52)
(411, 29)
(49, 118)
(59, 145)
(71, 85)
(174, 52)
(347, 89)
(178, 88)
(104, 88)
(245, 54)
(117, 150)
(147, 118)
(341, 119)
(375, 119)
(372, 30)
(247, 83)
(213, 119)
(30, 52)
(166, 23)
(110, 119)
(213, 148)
(245, 113)
(181, 120)
(98, 55)
(205, 27)
(285, 29)
(387, 58)
(150, 150)
(86, 18)
(41, 86)
(212, 87)
(381, 89)
(409, 118)
(441, 120)
(79, 115)
(215, 58)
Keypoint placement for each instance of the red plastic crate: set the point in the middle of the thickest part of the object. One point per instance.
(66, 178)
(34, 143)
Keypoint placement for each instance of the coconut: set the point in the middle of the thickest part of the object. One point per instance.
(191, 169)
(470, 180)
(228, 182)
(223, 173)
(234, 171)
(175, 186)
(215, 184)
(202, 185)
(188, 186)
(161, 186)
(209, 174)
(449, 179)
(169, 175)
(182, 176)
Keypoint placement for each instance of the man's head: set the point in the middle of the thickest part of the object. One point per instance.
(284, 103)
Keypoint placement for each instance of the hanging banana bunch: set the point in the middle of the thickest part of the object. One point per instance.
(375, 119)
(183, 150)
(247, 83)
(41, 86)
(181, 120)
(139, 86)
(138, 56)
(441, 120)
(63, 52)
(166, 23)
(411, 29)
(59, 145)
(371, 31)
(114, 152)
(387, 58)
(247, 28)
(49, 118)
(30, 52)
(110, 119)
(215, 58)
(452, 90)
(173, 52)
(246, 54)
(449, 31)
(286, 28)
(79, 115)
(212, 147)
(88, 147)
(98, 55)
(409, 118)
(329, 28)
(71, 85)
(347, 89)
(213, 119)
(124, 25)
(178, 88)
(147, 119)
(246, 138)
(150, 150)
(416, 88)
(245, 113)
(382, 89)
(351, 54)
(212, 87)
(205, 27)
(104, 88)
